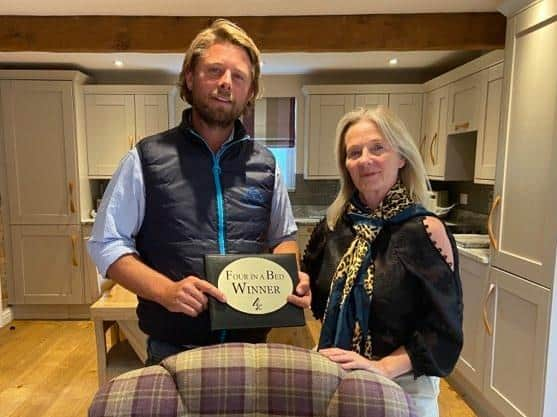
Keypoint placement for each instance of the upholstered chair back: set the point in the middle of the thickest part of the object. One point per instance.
(250, 380)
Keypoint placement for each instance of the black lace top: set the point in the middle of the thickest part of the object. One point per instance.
(417, 297)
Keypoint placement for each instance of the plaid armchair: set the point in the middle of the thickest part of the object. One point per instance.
(239, 379)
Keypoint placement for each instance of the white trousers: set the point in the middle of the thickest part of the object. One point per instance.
(423, 391)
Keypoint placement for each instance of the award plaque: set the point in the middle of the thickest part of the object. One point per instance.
(256, 287)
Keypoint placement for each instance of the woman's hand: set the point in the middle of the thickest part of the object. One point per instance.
(349, 359)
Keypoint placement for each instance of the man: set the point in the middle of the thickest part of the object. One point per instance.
(202, 187)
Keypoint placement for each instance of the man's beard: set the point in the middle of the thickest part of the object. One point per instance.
(215, 116)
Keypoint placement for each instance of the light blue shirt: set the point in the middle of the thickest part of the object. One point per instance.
(122, 211)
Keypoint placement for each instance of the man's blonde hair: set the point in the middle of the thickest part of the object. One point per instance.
(220, 31)
(412, 175)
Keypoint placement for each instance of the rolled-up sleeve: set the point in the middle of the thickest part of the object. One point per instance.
(120, 215)
(282, 226)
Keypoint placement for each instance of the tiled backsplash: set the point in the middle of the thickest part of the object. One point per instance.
(313, 192)
(468, 221)
(312, 197)
(479, 196)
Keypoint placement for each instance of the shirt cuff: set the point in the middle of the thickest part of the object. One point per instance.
(289, 237)
(106, 254)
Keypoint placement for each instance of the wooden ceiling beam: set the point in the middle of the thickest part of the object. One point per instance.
(327, 33)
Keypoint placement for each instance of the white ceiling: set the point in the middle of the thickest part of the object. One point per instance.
(275, 63)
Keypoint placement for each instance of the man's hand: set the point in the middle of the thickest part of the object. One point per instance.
(189, 296)
(302, 298)
(348, 359)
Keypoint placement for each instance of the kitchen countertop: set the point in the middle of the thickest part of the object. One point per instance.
(308, 214)
(472, 246)
(307, 220)
(478, 255)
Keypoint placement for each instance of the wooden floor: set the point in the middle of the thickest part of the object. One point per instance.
(48, 368)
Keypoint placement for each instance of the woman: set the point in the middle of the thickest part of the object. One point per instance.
(384, 271)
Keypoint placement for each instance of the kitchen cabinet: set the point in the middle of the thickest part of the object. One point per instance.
(524, 224)
(47, 264)
(521, 349)
(370, 100)
(433, 143)
(474, 105)
(474, 279)
(464, 110)
(458, 128)
(409, 108)
(324, 111)
(323, 115)
(447, 158)
(116, 118)
(40, 151)
(488, 126)
(39, 178)
(516, 351)
(110, 129)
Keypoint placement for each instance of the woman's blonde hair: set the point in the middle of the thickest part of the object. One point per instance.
(412, 175)
(220, 31)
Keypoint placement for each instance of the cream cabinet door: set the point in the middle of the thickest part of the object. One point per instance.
(524, 223)
(516, 353)
(446, 157)
(488, 128)
(110, 130)
(325, 111)
(434, 146)
(40, 147)
(464, 103)
(47, 264)
(151, 114)
(371, 100)
(474, 286)
(409, 108)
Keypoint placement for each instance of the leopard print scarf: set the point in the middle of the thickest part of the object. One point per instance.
(345, 324)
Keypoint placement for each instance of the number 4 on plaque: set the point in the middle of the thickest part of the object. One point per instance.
(257, 304)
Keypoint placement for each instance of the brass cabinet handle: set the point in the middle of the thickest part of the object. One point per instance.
(487, 326)
(74, 250)
(130, 141)
(490, 222)
(433, 161)
(462, 126)
(72, 204)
